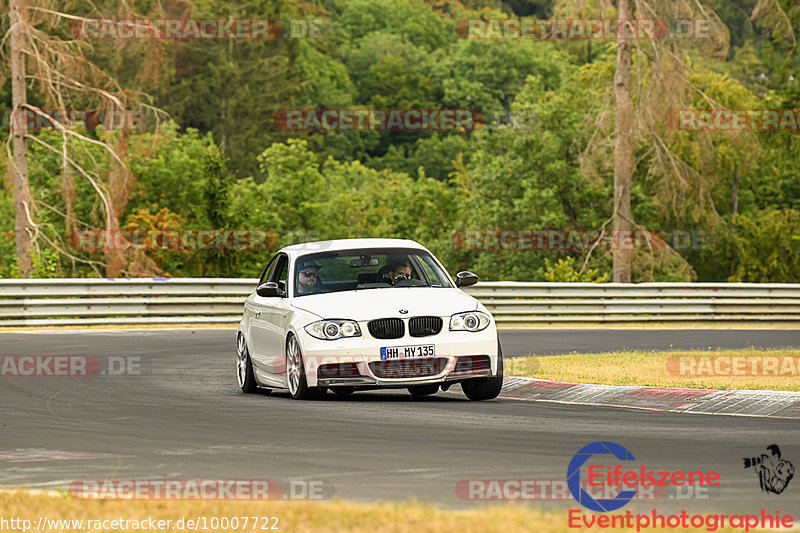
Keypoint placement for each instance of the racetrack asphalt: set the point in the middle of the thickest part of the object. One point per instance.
(182, 417)
(559, 341)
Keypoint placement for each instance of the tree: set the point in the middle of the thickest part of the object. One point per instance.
(623, 149)
(62, 74)
(642, 138)
(19, 167)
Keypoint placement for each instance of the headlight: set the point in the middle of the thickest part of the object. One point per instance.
(333, 329)
(469, 321)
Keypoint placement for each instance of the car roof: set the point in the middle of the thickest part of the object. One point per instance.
(296, 250)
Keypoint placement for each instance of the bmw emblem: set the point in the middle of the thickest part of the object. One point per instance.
(404, 311)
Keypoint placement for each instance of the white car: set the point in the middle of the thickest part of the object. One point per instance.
(360, 314)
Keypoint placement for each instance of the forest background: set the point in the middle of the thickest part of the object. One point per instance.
(204, 151)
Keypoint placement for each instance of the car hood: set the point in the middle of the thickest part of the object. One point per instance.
(368, 304)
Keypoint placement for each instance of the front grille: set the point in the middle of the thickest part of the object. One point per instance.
(423, 326)
(386, 328)
(472, 364)
(408, 368)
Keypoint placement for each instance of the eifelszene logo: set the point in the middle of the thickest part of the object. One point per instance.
(774, 473)
(629, 480)
(574, 476)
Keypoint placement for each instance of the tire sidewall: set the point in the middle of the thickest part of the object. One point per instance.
(249, 384)
(302, 384)
(303, 392)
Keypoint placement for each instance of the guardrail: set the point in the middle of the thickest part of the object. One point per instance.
(644, 303)
(73, 302)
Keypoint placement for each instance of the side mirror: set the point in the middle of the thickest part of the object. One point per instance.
(270, 289)
(466, 278)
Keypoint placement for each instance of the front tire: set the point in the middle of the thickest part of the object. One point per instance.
(296, 373)
(478, 389)
(244, 367)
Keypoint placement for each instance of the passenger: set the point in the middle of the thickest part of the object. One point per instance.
(307, 276)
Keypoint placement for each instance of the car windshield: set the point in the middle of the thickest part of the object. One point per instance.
(383, 268)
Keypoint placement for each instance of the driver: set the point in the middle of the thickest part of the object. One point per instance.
(307, 275)
(398, 271)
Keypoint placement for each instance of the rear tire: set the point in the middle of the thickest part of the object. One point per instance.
(418, 391)
(244, 367)
(479, 389)
(296, 374)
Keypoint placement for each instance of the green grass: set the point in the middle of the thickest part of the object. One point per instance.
(681, 369)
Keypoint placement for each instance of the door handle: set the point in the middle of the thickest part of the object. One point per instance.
(258, 313)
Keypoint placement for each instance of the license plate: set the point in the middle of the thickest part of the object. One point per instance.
(400, 352)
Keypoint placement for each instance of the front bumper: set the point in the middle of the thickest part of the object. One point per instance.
(366, 368)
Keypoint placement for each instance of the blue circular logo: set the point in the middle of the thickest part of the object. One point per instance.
(574, 476)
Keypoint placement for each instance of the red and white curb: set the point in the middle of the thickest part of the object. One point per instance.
(760, 403)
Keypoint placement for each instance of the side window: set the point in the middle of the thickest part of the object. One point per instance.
(280, 271)
(265, 275)
(427, 265)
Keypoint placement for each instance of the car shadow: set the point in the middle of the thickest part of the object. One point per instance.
(386, 396)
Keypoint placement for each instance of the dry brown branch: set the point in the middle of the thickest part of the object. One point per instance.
(95, 183)
(39, 233)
